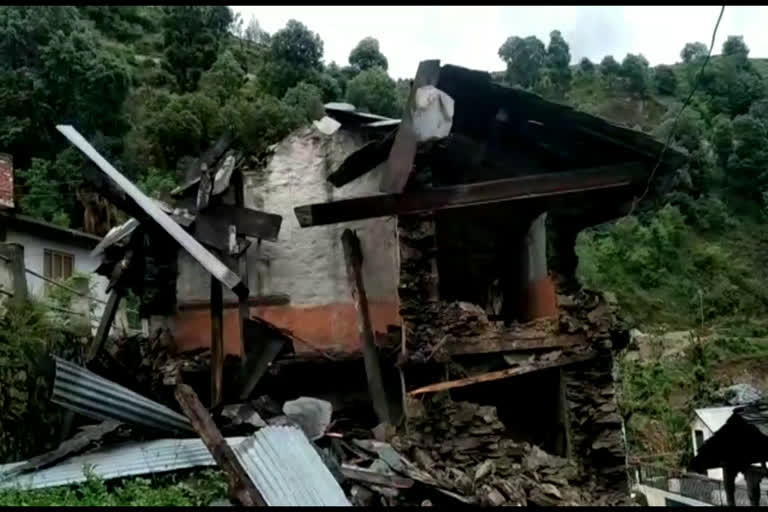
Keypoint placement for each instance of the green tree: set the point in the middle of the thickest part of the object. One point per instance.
(366, 55)
(223, 79)
(559, 62)
(306, 100)
(722, 139)
(634, 70)
(374, 91)
(665, 80)
(586, 66)
(260, 123)
(692, 52)
(295, 55)
(525, 59)
(609, 66)
(192, 35)
(736, 48)
(746, 174)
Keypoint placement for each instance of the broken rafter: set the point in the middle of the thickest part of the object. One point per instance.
(512, 342)
(153, 210)
(400, 162)
(439, 198)
(240, 485)
(363, 160)
(501, 374)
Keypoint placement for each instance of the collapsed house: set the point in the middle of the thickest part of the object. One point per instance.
(439, 249)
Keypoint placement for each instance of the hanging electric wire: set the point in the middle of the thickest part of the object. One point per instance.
(687, 101)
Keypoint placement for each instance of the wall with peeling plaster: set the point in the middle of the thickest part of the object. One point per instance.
(307, 264)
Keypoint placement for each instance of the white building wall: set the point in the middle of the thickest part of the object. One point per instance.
(34, 249)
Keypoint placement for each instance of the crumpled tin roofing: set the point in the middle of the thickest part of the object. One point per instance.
(119, 461)
(90, 395)
(287, 470)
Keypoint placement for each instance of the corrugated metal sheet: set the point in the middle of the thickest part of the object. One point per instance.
(715, 417)
(287, 470)
(86, 393)
(120, 461)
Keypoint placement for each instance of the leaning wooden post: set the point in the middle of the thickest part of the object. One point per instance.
(354, 259)
(107, 318)
(13, 259)
(217, 342)
(240, 485)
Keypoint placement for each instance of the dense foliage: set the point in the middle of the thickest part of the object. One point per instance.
(153, 86)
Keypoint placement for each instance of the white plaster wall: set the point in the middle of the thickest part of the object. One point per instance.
(34, 248)
(308, 263)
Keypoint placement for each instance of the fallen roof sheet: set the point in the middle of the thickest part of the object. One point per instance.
(280, 461)
(203, 256)
(95, 397)
(115, 235)
(120, 461)
(287, 470)
(715, 417)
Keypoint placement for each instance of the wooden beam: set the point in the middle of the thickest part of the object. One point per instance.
(400, 162)
(372, 477)
(512, 342)
(363, 160)
(354, 261)
(240, 485)
(211, 225)
(153, 210)
(217, 342)
(105, 324)
(501, 374)
(526, 187)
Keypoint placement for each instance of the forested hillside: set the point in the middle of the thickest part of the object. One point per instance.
(154, 86)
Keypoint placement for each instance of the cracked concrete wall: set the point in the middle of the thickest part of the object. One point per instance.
(307, 264)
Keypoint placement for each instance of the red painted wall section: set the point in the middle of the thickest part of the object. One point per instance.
(331, 327)
(540, 299)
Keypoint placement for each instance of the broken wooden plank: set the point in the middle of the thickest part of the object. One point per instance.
(89, 435)
(261, 345)
(363, 160)
(105, 324)
(204, 189)
(253, 301)
(500, 374)
(217, 342)
(438, 198)
(502, 342)
(372, 477)
(400, 162)
(212, 224)
(195, 249)
(353, 256)
(240, 485)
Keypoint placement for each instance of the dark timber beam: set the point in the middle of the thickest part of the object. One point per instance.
(440, 198)
(400, 162)
(353, 257)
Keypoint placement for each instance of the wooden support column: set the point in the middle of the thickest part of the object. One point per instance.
(354, 260)
(729, 483)
(243, 308)
(240, 485)
(107, 318)
(753, 479)
(13, 260)
(217, 342)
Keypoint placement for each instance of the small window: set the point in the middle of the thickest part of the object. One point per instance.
(58, 265)
(699, 439)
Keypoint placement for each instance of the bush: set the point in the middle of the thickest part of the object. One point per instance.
(29, 422)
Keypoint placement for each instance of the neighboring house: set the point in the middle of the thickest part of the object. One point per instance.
(705, 423)
(51, 251)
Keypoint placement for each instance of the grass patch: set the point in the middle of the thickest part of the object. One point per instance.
(192, 489)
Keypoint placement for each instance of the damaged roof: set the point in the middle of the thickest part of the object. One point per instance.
(743, 440)
(491, 120)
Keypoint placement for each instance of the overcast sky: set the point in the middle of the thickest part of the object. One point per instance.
(471, 36)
